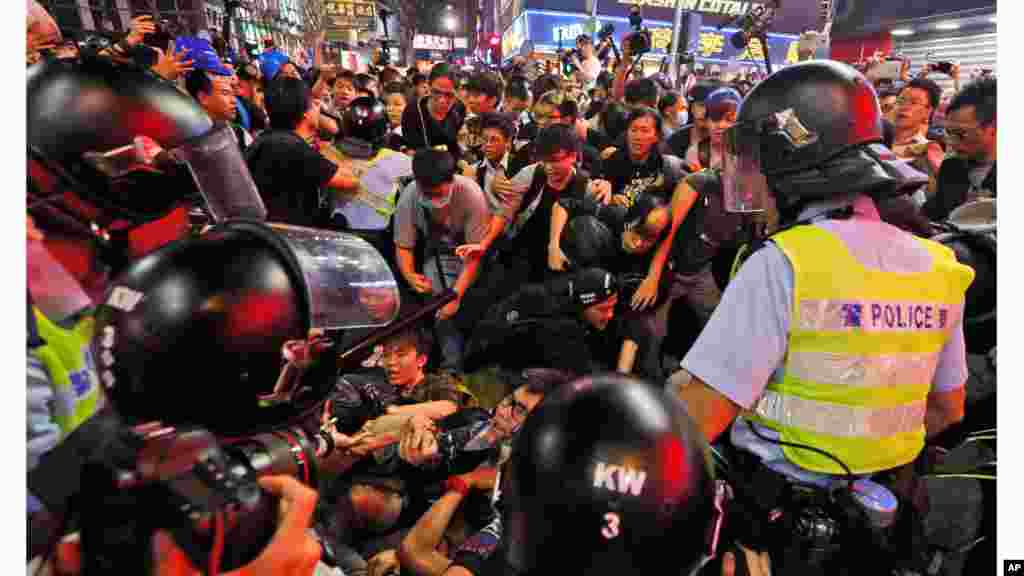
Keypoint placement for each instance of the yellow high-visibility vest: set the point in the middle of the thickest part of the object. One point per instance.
(68, 360)
(862, 351)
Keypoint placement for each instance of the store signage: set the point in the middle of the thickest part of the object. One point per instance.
(346, 14)
(713, 44)
(716, 7)
(431, 42)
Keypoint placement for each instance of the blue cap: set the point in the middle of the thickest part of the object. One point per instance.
(202, 55)
(271, 61)
(721, 101)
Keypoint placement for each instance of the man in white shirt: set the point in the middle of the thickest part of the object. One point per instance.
(497, 132)
(588, 66)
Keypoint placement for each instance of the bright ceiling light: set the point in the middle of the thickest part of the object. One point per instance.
(902, 32)
(947, 26)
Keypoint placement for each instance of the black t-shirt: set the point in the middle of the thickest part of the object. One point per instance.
(421, 130)
(707, 226)
(631, 179)
(598, 139)
(531, 244)
(289, 174)
(679, 142)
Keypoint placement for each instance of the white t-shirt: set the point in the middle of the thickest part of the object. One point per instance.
(590, 68)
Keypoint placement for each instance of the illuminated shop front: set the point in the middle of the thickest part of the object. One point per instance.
(709, 44)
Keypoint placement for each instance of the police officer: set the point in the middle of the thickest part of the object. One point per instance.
(557, 324)
(850, 329)
(607, 476)
(96, 177)
(361, 149)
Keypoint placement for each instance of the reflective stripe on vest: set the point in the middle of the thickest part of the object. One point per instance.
(862, 352)
(71, 369)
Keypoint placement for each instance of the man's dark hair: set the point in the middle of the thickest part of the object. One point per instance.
(421, 339)
(644, 112)
(198, 81)
(929, 87)
(287, 101)
(486, 83)
(556, 138)
(614, 119)
(642, 92)
(668, 100)
(441, 70)
(346, 75)
(518, 87)
(389, 75)
(432, 167)
(569, 109)
(362, 81)
(243, 72)
(418, 78)
(499, 122)
(547, 83)
(982, 95)
(396, 88)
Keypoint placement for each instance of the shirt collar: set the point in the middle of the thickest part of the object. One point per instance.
(862, 205)
(504, 162)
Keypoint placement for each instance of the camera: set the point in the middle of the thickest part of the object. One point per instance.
(568, 67)
(359, 398)
(639, 41)
(200, 488)
(384, 58)
(606, 41)
(944, 67)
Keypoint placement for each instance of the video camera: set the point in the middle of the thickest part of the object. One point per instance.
(606, 41)
(639, 40)
(386, 43)
(201, 489)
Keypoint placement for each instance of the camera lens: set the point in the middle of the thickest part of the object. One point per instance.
(290, 452)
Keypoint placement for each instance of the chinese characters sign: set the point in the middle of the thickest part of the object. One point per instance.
(345, 14)
(715, 45)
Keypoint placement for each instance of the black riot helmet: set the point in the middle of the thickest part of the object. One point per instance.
(364, 126)
(610, 472)
(214, 331)
(808, 132)
(112, 145)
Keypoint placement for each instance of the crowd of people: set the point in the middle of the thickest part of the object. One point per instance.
(588, 221)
